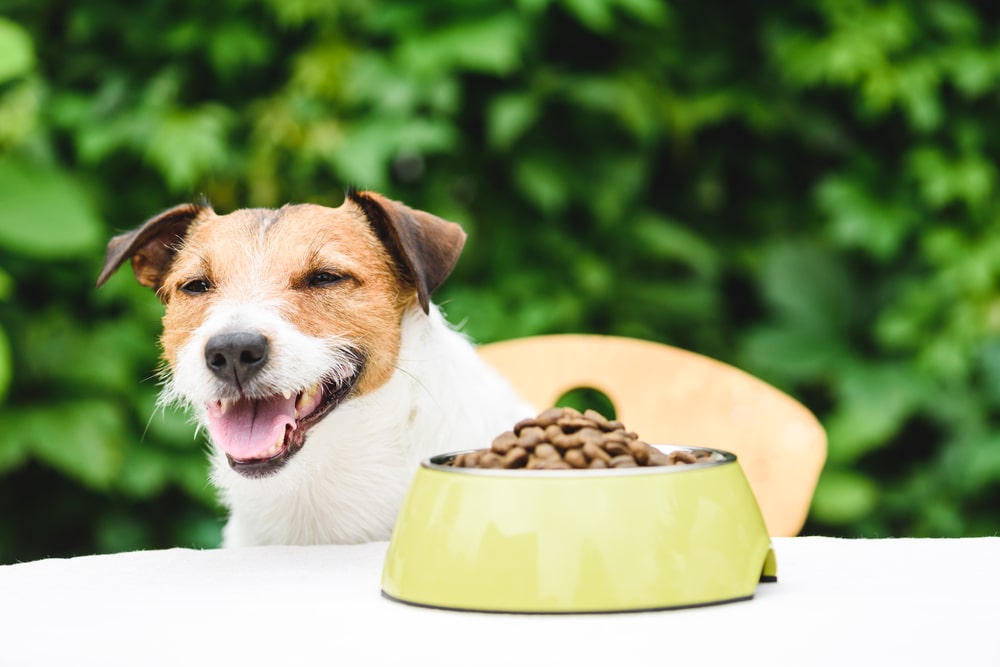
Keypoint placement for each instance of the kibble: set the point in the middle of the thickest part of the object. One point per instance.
(564, 439)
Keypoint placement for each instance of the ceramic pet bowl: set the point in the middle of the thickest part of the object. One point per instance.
(576, 541)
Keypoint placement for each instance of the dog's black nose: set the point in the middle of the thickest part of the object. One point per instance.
(235, 357)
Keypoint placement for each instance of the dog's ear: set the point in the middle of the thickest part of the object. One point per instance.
(425, 245)
(151, 246)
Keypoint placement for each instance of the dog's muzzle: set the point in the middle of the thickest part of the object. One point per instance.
(260, 430)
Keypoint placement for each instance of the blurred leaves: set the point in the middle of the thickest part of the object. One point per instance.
(17, 54)
(48, 214)
(84, 439)
(805, 191)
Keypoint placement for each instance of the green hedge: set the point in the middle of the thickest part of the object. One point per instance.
(802, 189)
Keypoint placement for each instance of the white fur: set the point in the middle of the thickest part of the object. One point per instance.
(349, 479)
(296, 361)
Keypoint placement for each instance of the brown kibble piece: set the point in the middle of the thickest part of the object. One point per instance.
(682, 456)
(623, 461)
(552, 431)
(562, 442)
(597, 463)
(571, 423)
(615, 425)
(504, 442)
(549, 417)
(589, 434)
(471, 459)
(524, 423)
(594, 452)
(530, 436)
(517, 457)
(640, 451)
(596, 417)
(546, 451)
(617, 449)
(576, 458)
(615, 436)
(658, 458)
(490, 460)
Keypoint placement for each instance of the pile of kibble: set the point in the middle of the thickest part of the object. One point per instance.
(563, 438)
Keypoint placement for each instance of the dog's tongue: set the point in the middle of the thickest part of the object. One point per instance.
(249, 428)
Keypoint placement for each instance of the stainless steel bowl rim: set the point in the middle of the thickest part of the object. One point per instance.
(721, 457)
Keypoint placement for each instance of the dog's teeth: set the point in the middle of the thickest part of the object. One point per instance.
(307, 396)
(224, 405)
(287, 394)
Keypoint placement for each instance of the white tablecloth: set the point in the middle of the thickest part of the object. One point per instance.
(837, 602)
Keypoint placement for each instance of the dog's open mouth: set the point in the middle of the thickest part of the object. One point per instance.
(259, 435)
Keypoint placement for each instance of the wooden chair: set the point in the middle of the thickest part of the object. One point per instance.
(672, 396)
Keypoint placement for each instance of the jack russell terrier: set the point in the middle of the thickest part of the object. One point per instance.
(305, 342)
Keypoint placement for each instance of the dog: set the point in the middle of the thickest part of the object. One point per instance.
(305, 343)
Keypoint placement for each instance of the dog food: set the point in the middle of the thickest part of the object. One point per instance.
(563, 439)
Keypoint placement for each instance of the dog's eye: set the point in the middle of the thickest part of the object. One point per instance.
(199, 286)
(324, 278)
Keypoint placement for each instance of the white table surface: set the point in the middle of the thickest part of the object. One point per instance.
(837, 602)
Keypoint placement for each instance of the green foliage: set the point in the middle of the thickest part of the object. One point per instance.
(805, 190)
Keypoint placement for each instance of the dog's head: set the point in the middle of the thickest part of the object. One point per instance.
(275, 317)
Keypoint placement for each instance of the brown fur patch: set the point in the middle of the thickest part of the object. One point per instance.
(270, 255)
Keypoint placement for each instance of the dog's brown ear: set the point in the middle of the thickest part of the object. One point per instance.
(151, 246)
(425, 245)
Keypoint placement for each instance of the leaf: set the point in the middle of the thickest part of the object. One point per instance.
(808, 286)
(46, 213)
(672, 241)
(237, 46)
(145, 471)
(542, 182)
(491, 45)
(786, 354)
(508, 117)
(17, 55)
(595, 14)
(13, 448)
(370, 146)
(843, 497)
(973, 464)
(622, 100)
(191, 473)
(6, 285)
(6, 365)
(857, 219)
(989, 365)
(874, 401)
(111, 357)
(84, 439)
(943, 180)
(955, 19)
(652, 12)
(20, 105)
(186, 145)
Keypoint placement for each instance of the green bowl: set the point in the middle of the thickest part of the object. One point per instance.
(578, 541)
